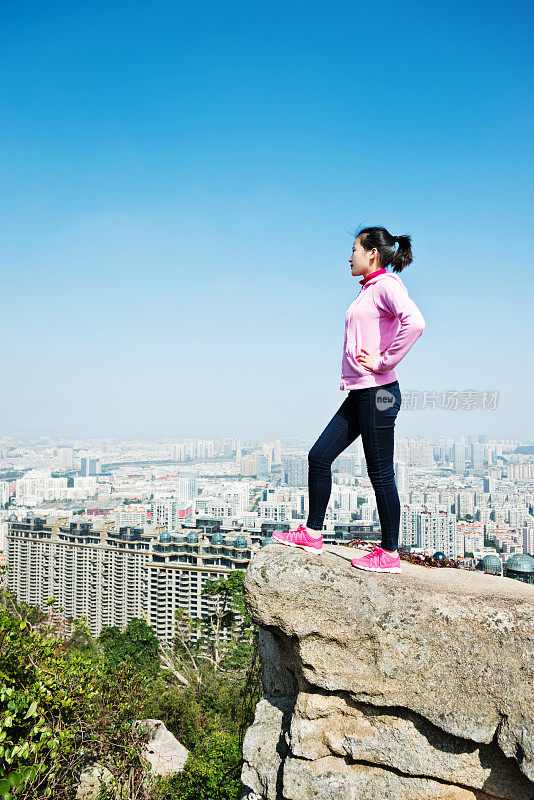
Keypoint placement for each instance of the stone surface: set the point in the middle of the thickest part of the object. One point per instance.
(163, 751)
(265, 747)
(416, 685)
(325, 724)
(332, 779)
(91, 779)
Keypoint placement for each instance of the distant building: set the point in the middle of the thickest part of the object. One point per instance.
(296, 467)
(248, 465)
(528, 539)
(262, 466)
(489, 483)
(520, 566)
(430, 529)
(66, 455)
(459, 457)
(170, 513)
(90, 466)
(437, 531)
(490, 564)
(401, 477)
(186, 487)
(111, 575)
(477, 456)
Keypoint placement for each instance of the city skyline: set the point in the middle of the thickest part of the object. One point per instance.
(82, 513)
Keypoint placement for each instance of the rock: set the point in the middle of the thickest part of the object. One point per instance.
(265, 747)
(91, 779)
(163, 750)
(416, 685)
(323, 725)
(332, 779)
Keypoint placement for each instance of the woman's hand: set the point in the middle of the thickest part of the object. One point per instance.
(368, 359)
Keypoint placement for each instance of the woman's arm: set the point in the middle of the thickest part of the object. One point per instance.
(392, 297)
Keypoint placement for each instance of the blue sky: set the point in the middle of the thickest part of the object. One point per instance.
(180, 183)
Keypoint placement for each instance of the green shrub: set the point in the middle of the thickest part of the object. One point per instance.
(69, 700)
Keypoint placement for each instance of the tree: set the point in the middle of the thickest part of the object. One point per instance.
(223, 638)
(228, 630)
(138, 644)
(212, 771)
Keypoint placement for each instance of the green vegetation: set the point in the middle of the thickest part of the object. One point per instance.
(68, 699)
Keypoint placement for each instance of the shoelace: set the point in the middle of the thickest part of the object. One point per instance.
(292, 534)
(374, 552)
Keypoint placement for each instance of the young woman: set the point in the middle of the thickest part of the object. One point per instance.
(381, 325)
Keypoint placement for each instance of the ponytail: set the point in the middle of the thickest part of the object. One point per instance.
(403, 256)
(386, 244)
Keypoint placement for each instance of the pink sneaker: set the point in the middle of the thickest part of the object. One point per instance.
(378, 560)
(299, 538)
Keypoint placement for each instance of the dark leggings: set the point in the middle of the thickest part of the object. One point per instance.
(370, 412)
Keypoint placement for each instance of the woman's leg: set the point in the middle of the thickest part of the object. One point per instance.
(340, 432)
(377, 411)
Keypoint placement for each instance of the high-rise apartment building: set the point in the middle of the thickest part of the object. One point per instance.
(401, 477)
(296, 467)
(186, 487)
(169, 513)
(66, 455)
(477, 455)
(459, 457)
(528, 539)
(112, 575)
(436, 530)
(90, 466)
(433, 530)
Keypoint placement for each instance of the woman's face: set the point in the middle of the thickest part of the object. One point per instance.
(363, 261)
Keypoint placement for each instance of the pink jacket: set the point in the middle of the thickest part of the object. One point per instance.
(382, 319)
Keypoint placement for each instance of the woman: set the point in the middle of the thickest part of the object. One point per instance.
(381, 325)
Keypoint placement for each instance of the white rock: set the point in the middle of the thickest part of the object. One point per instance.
(163, 750)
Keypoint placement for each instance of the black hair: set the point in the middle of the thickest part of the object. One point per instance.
(385, 243)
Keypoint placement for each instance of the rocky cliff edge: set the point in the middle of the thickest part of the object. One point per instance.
(416, 686)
